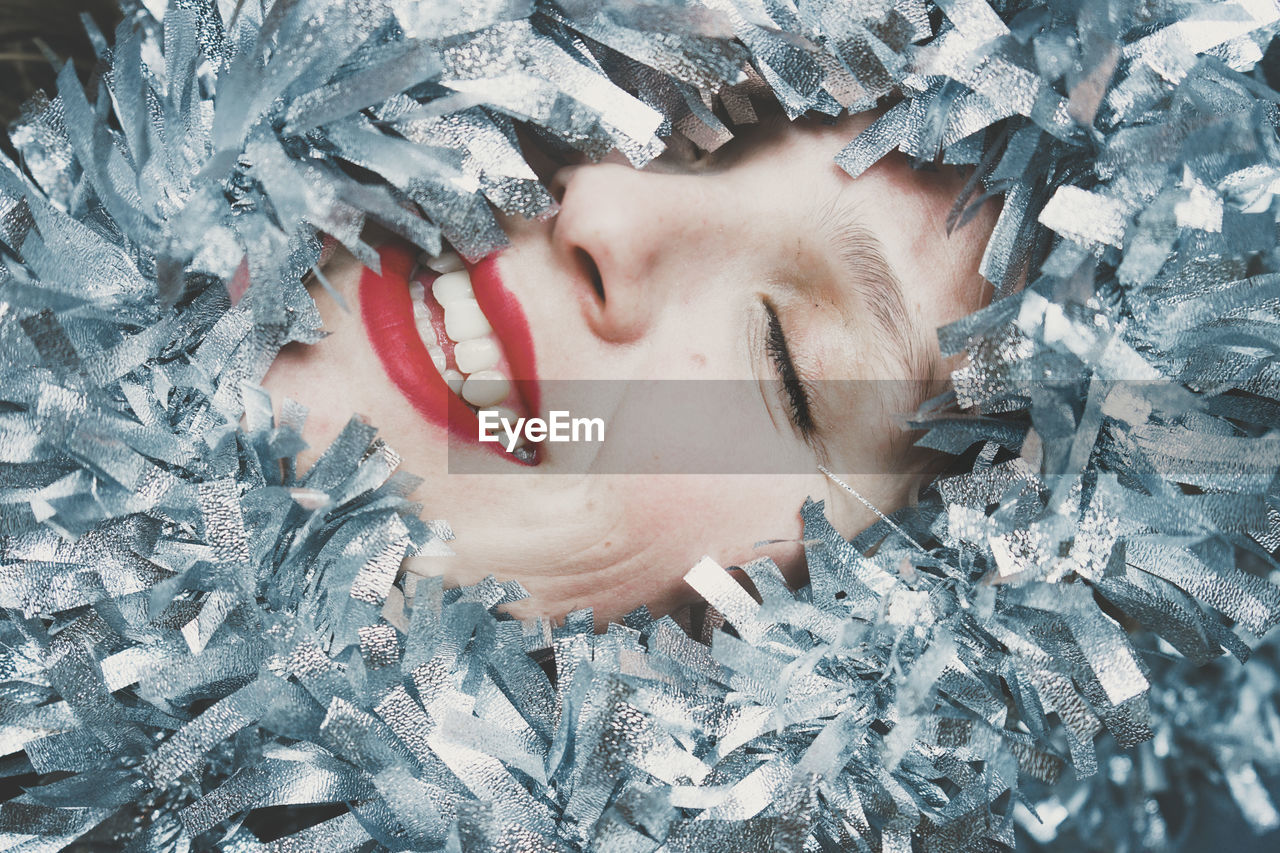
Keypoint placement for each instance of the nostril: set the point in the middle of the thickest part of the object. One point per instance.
(592, 271)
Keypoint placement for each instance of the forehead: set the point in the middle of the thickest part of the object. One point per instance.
(801, 154)
(906, 209)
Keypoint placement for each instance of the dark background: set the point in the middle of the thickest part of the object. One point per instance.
(33, 32)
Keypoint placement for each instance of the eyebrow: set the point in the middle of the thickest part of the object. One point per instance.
(864, 266)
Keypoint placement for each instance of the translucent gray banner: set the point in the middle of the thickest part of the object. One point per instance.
(693, 427)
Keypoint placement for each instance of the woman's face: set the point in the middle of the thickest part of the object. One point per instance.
(686, 270)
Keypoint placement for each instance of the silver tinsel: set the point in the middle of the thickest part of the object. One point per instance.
(194, 631)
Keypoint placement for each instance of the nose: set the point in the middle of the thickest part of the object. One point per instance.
(635, 238)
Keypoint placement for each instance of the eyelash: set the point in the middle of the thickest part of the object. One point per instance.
(798, 410)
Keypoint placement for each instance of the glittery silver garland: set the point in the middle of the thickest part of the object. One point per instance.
(193, 630)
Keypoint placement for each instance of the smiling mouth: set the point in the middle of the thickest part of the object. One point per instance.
(453, 340)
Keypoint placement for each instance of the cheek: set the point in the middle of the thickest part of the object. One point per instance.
(624, 541)
(698, 335)
(719, 516)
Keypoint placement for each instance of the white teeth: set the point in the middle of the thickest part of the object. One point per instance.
(463, 320)
(422, 319)
(447, 262)
(428, 336)
(427, 331)
(451, 287)
(421, 313)
(486, 388)
(477, 354)
(503, 413)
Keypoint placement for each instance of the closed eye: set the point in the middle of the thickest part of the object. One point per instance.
(794, 395)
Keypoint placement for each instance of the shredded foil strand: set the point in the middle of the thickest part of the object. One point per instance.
(1045, 651)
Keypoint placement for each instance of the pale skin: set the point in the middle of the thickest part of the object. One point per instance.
(685, 252)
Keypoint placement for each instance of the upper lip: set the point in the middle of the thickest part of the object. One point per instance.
(511, 327)
(387, 311)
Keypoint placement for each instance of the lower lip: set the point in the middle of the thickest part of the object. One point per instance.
(387, 311)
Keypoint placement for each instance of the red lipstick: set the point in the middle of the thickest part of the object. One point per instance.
(386, 308)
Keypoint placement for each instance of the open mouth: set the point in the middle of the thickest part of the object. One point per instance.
(453, 340)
